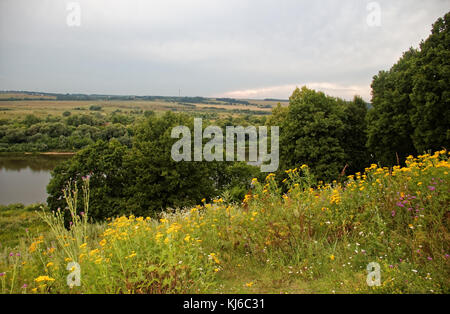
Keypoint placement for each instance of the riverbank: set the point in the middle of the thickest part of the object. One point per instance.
(50, 153)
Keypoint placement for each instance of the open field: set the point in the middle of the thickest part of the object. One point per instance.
(34, 104)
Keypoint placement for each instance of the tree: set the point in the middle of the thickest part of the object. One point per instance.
(354, 136)
(430, 96)
(158, 181)
(103, 162)
(311, 134)
(411, 101)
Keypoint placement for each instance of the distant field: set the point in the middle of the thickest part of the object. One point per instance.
(41, 108)
(24, 96)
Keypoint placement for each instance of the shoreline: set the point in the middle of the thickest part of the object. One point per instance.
(50, 153)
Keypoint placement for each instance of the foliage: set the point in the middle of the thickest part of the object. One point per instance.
(410, 111)
(144, 179)
(324, 132)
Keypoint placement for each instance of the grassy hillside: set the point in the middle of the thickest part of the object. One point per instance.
(293, 237)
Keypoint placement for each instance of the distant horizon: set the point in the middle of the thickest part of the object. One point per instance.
(128, 95)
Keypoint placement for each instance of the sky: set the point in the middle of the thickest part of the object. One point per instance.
(213, 48)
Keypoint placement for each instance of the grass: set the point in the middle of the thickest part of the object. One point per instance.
(15, 220)
(289, 235)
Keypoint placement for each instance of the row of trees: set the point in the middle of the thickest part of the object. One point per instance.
(72, 132)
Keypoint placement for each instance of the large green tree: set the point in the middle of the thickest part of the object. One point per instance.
(430, 97)
(411, 101)
(103, 162)
(311, 134)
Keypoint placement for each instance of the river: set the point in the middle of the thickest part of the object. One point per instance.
(24, 177)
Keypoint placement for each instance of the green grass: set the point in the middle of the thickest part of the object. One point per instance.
(15, 220)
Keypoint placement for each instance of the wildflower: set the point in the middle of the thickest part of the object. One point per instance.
(103, 242)
(393, 213)
(24, 286)
(50, 264)
(249, 284)
(429, 258)
(83, 245)
(43, 278)
(213, 256)
(431, 188)
(332, 257)
(2, 274)
(93, 252)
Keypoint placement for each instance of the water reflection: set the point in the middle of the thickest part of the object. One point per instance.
(24, 178)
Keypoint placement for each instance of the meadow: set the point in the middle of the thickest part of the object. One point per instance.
(17, 105)
(294, 236)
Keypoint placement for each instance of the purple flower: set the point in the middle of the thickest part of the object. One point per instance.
(431, 188)
(429, 258)
(2, 274)
(82, 213)
(447, 256)
(24, 286)
(11, 254)
(17, 254)
(393, 213)
(391, 266)
(400, 204)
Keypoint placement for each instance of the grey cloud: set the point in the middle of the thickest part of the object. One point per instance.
(205, 47)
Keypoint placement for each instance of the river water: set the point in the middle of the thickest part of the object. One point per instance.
(24, 178)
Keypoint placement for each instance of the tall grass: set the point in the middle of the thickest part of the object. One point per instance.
(319, 235)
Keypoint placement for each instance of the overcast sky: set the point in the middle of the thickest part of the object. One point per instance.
(229, 48)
